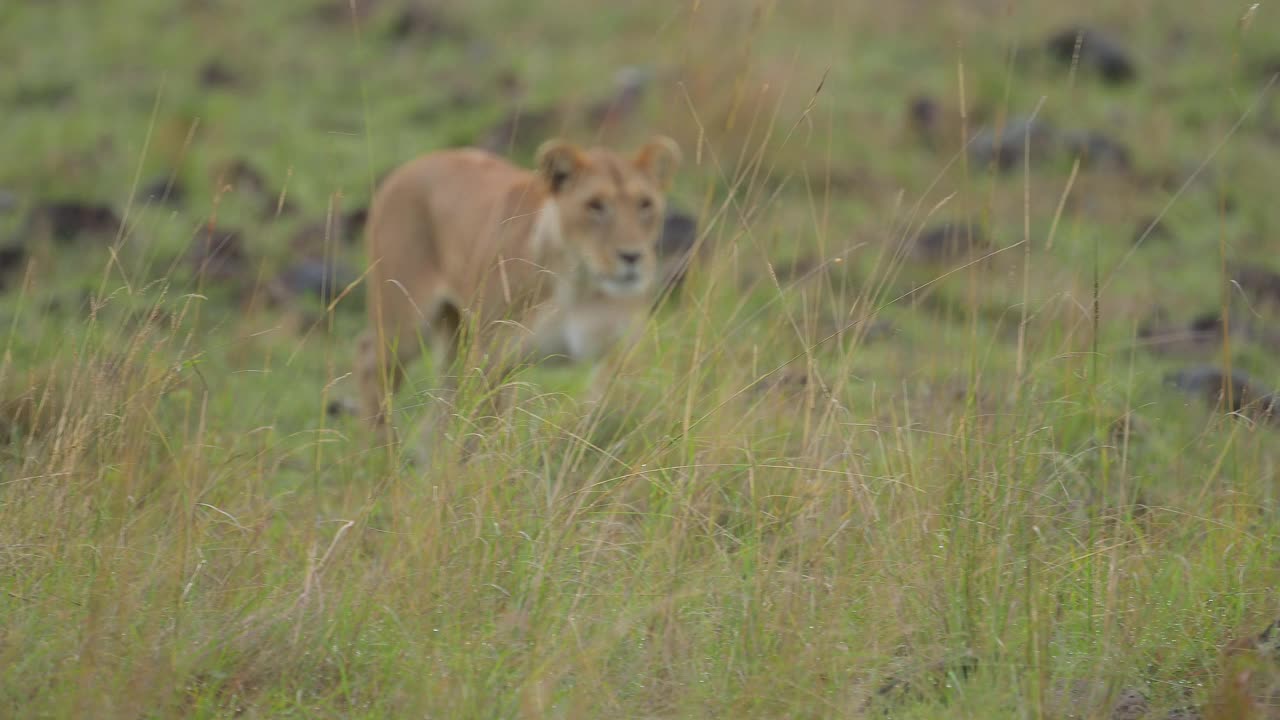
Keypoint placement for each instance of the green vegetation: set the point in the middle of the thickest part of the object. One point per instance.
(836, 479)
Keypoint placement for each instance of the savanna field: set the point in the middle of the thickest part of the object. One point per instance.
(964, 406)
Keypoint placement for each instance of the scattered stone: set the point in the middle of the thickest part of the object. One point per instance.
(675, 247)
(1262, 284)
(339, 408)
(423, 21)
(216, 74)
(242, 176)
(218, 254)
(1128, 428)
(65, 221)
(49, 94)
(1202, 334)
(1079, 699)
(510, 86)
(1267, 67)
(630, 84)
(353, 223)
(788, 381)
(318, 238)
(946, 241)
(924, 118)
(1184, 713)
(795, 270)
(1097, 150)
(310, 276)
(1005, 147)
(936, 677)
(1130, 705)
(1265, 644)
(11, 259)
(519, 128)
(1210, 382)
(165, 191)
(1098, 52)
(341, 11)
(1151, 228)
(278, 207)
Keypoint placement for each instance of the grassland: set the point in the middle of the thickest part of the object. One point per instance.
(837, 479)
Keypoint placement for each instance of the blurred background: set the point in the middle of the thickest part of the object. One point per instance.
(978, 348)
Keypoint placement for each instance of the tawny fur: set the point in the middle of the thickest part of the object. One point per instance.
(557, 262)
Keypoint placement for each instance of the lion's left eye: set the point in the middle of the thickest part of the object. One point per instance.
(596, 205)
(646, 204)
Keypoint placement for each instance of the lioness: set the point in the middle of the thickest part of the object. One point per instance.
(556, 262)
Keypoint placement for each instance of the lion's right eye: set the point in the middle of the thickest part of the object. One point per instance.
(596, 205)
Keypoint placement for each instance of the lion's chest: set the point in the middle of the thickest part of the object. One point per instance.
(584, 332)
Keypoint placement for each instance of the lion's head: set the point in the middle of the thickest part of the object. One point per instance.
(611, 208)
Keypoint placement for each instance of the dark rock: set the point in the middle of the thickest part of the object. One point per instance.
(215, 74)
(353, 223)
(795, 270)
(1210, 383)
(1098, 52)
(324, 280)
(1151, 228)
(1079, 699)
(1005, 147)
(49, 94)
(946, 241)
(1267, 67)
(1262, 284)
(1130, 705)
(1202, 334)
(423, 21)
(11, 259)
(339, 408)
(8, 201)
(1268, 407)
(936, 677)
(316, 239)
(630, 85)
(519, 128)
(218, 254)
(675, 247)
(67, 220)
(1184, 713)
(242, 176)
(509, 85)
(1209, 323)
(1128, 428)
(341, 11)
(1270, 636)
(165, 191)
(924, 117)
(278, 207)
(1097, 150)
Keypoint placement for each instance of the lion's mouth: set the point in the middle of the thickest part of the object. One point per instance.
(627, 282)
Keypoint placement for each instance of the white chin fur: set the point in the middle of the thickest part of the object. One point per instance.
(623, 288)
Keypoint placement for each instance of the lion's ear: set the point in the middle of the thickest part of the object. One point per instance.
(659, 159)
(558, 161)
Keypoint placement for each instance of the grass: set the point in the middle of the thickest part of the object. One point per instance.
(889, 487)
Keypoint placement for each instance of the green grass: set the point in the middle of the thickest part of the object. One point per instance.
(185, 532)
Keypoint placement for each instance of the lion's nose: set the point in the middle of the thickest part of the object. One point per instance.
(629, 257)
